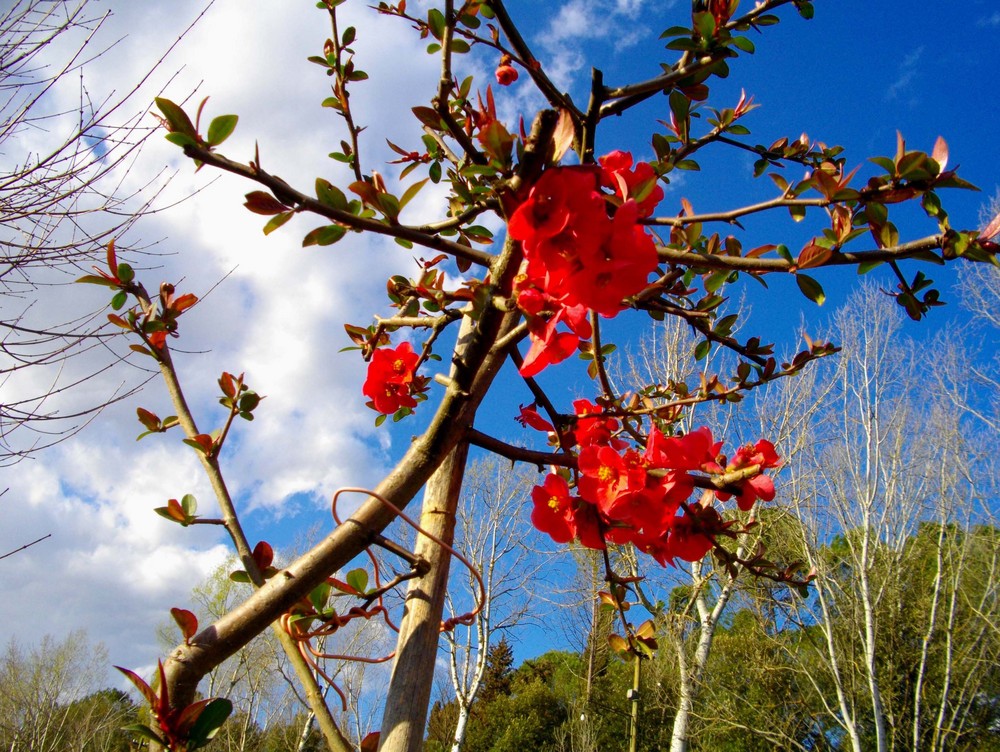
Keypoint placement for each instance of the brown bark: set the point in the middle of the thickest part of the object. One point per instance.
(409, 689)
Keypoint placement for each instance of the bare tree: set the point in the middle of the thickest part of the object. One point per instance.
(47, 699)
(62, 199)
(491, 527)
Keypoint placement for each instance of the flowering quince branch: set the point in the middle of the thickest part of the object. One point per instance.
(580, 246)
(152, 324)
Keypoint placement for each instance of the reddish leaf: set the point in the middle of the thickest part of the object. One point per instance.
(149, 420)
(940, 152)
(202, 442)
(184, 302)
(144, 689)
(112, 259)
(562, 138)
(370, 742)
(991, 230)
(263, 555)
(343, 586)
(172, 511)
(260, 202)
(813, 255)
(187, 621)
(228, 384)
(189, 715)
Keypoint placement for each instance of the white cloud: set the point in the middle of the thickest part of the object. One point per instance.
(907, 71)
(990, 21)
(112, 566)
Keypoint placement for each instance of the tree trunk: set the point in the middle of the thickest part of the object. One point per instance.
(416, 652)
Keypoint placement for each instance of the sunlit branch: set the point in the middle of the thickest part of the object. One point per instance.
(841, 258)
(287, 194)
(733, 215)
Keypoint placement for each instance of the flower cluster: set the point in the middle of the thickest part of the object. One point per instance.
(628, 496)
(392, 382)
(584, 250)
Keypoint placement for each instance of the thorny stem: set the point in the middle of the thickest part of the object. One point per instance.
(230, 520)
(340, 89)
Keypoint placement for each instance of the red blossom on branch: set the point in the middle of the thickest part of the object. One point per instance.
(391, 381)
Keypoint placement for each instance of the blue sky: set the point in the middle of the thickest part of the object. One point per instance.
(854, 75)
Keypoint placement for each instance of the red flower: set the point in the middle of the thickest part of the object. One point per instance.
(564, 517)
(761, 455)
(693, 451)
(577, 257)
(639, 184)
(553, 512)
(605, 477)
(506, 75)
(390, 381)
(529, 417)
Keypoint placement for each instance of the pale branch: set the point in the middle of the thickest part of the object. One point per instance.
(720, 262)
(300, 201)
(459, 220)
(733, 215)
(445, 86)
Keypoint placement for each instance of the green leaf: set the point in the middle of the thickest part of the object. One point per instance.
(209, 722)
(125, 273)
(144, 731)
(866, 266)
(277, 221)
(327, 235)
(181, 139)
(410, 192)
(701, 349)
(744, 44)
(189, 504)
(358, 579)
(240, 576)
(176, 117)
(811, 288)
(320, 595)
(221, 128)
(436, 22)
(331, 195)
(119, 300)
